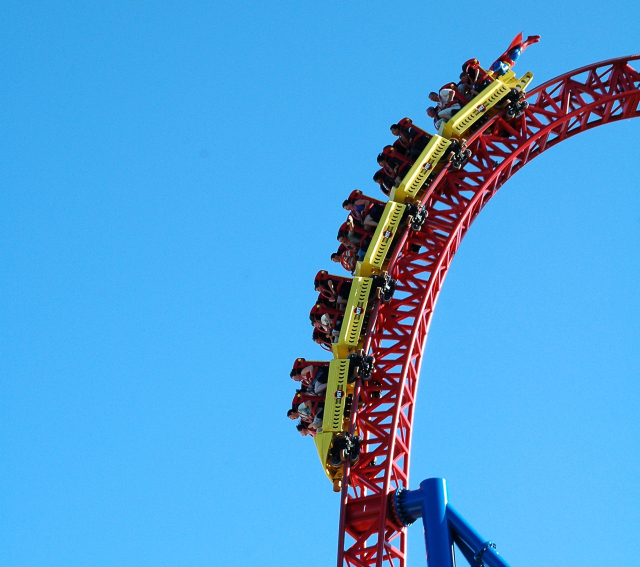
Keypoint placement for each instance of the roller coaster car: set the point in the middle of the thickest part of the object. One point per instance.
(334, 444)
(395, 216)
(423, 168)
(437, 153)
(364, 292)
(502, 93)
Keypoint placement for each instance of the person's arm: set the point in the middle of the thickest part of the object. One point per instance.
(307, 372)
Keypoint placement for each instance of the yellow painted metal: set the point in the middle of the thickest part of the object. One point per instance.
(508, 78)
(336, 396)
(478, 107)
(387, 228)
(408, 190)
(349, 339)
(334, 421)
(523, 82)
(323, 444)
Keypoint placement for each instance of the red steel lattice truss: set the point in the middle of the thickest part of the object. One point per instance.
(572, 103)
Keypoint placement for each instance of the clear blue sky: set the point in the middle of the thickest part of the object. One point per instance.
(171, 178)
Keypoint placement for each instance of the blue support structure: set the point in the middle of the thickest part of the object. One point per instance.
(444, 526)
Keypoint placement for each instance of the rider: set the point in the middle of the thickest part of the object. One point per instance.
(432, 112)
(446, 105)
(365, 213)
(414, 138)
(395, 165)
(385, 181)
(332, 290)
(304, 430)
(322, 339)
(445, 99)
(313, 377)
(346, 256)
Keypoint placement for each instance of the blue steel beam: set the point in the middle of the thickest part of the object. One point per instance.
(483, 550)
(437, 535)
(443, 525)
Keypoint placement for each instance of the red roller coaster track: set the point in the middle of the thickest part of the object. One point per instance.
(572, 103)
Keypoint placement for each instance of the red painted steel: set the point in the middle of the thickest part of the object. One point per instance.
(583, 99)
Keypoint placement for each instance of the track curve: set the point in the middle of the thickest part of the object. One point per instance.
(591, 96)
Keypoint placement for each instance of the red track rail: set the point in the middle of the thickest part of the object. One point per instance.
(583, 99)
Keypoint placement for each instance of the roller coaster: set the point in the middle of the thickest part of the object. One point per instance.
(359, 406)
